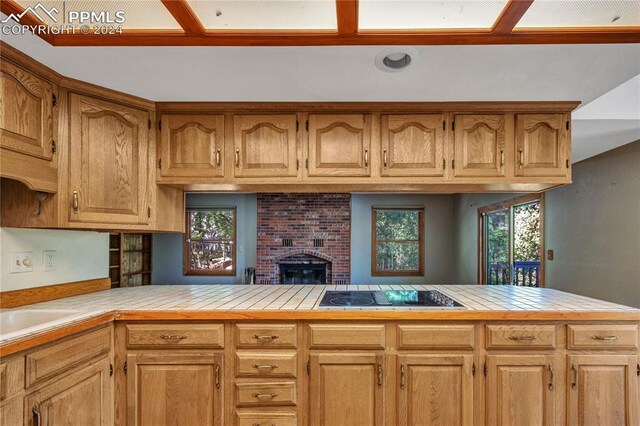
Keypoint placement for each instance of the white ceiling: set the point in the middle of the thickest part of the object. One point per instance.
(347, 73)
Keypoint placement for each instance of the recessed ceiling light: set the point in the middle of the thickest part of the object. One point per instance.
(396, 59)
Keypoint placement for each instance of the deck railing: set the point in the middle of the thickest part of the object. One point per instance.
(525, 273)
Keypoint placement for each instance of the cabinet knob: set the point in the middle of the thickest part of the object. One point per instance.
(237, 158)
(265, 366)
(264, 395)
(366, 158)
(384, 157)
(217, 157)
(75, 201)
(519, 338)
(612, 337)
(265, 337)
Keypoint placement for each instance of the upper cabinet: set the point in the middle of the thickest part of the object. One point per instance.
(339, 145)
(265, 145)
(412, 145)
(542, 144)
(479, 145)
(108, 162)
(192, 146)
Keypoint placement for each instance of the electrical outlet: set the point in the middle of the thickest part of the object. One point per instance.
(49, 260)
(21, 262)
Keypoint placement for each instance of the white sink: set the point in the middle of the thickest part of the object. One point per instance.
(23, 321)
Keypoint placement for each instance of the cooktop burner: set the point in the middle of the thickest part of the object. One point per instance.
(390, 298)
(348, 298)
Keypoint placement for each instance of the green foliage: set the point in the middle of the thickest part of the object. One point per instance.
(397, 240)
(526, 232)
(211, 236)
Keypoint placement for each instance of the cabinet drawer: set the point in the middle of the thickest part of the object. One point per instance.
(605, 336)
(412, 336)
(266, 393)
(266, 336)
(45, 363)
(176, 335)
(370, 336)
(521, 336)
(269, 364)
(257, 418)
(11, 377)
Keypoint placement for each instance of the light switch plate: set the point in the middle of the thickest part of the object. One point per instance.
(21, 262)
(49, 260)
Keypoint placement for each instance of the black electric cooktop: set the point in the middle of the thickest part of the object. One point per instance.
(389, 298)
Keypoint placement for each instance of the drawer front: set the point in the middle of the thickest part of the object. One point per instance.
(176, 335)
(521, 336)
(266, 364)
(11, 377)
(371, 336)
(605, 336)
(266, 336)
(48, 362)
(265, 393)
(436, 336)
(256, 418)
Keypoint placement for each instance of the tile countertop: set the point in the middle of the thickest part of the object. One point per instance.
(292, 302)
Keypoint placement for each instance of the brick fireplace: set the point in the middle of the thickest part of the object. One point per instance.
(302, 235)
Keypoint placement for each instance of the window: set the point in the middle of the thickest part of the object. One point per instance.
(210, 242)
(511, 242)
(397, 242)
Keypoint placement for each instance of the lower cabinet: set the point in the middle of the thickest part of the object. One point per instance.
(174, 389)
(602, 390)
(81, 398)
(435, 390)
(521, 389)
(346, 389)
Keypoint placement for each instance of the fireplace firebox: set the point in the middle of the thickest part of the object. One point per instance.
(303, 273)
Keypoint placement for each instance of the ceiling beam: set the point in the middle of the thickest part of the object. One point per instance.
(186, 17)
(510, 16)
(347, 13)
(9, 7)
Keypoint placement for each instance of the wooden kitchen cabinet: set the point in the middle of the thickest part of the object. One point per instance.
(346, 388)
(191, 146)
(174, 388)
(265, 145)
(339, 145)
(480, 144)
(602, 390)
(521, 389)
(542, 145)
(82, 398)
(412, 145)
(435, 389)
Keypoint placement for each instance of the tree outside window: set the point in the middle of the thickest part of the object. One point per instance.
(210, 242)
(398, 242)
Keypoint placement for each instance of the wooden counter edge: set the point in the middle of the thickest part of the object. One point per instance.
(28, 296)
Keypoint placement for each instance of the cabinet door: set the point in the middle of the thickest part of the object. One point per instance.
(435, 390)
(602, 390)
(26, 112)
(412, 145)
(339, 145)
(479, 145)
(82, 398)
(346, 389)
(542, 145)
(174, 389)
(192, 146)
(108, 162)
(520, 390)
(265, 145)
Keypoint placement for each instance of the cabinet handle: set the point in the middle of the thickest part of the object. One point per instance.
(521, 162)
(217, 376)
(173, 336)
(265, 337)
(550, 368)
(574, 373)
(612, 337)
(366, 158)
(402, 376)
(37, 418)
(501, 158)
(237, 158)
(75, 201)
(217, 157)
(258, 424)
(384, 157)
(519, 338)
(265, 366)
(264, 395)
(379, 375)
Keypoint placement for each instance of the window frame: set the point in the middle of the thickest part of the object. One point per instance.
(375, 272)
(508, 205)
(186, 265)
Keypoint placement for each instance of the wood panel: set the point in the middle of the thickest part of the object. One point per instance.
(174, 389)
(265, 336)
(346, 389)
(26, 112)
(412, 145)
(36, 173)
(265, 145)
(347, 336)
(192, 146)
(266, 364)
(521, 336)
(12, 411)
(261, 393)
(253, 418)
(435, 390)
(418, 336)
(339, 145)
(11, 377)
(521, 389)
(15, 298)
(542, 145)
(175, 335)
(108, 172)
(602, 336)
(479, 145)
